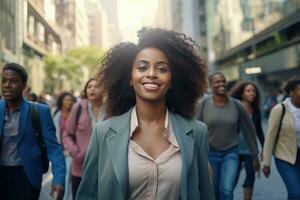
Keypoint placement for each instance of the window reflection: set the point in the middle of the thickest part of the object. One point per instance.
(235, 21)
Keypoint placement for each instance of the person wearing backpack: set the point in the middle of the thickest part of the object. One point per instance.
(283, 140)
(224, 116)
(64, 105)
(26, 144)
(83, 116)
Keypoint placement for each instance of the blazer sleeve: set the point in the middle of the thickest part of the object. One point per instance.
(248, 130)
(273, 125)
(204, 170)
(54, 149)
(88, 188)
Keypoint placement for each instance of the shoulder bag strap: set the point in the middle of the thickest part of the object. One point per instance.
(279, 127)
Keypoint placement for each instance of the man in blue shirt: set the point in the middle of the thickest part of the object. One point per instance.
(20, 154)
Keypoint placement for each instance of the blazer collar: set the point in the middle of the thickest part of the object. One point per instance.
(118, 141)
(23, 117)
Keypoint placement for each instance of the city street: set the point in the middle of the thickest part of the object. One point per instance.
(271, 188)
(264, 188)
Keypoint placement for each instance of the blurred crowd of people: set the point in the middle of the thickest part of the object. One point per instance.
(140, 131)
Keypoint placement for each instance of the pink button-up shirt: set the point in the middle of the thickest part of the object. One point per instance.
(154, 179)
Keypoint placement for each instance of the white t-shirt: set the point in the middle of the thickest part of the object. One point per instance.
(296, 115)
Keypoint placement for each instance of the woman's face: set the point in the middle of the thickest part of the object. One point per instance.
(67, 102)
(249, 93)
(151, 75)
(219, 85)
(295, 96)
(94, 90)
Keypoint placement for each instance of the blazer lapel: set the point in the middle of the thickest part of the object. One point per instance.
(118, 149)
(186, 143)
(2, 114)
(23, 118)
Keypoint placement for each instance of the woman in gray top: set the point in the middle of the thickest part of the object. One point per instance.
(223, 116)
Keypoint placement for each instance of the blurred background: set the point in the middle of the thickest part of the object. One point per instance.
(61, 41)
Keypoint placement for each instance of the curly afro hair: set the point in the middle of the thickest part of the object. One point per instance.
(187, 68)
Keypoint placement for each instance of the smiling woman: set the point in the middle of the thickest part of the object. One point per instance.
(151, 147)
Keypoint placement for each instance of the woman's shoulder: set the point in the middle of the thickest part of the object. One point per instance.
(114, 123)
(192, 123)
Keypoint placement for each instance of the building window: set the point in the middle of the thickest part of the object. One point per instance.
(8, 27)
(31, 26)
(40, 32)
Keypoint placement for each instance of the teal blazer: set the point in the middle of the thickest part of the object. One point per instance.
(105, 173)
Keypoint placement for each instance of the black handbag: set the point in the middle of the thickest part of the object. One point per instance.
(36, 124)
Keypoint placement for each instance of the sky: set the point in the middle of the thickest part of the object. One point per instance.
(134, 14)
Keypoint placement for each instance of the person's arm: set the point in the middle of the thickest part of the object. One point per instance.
(258, 128)
(69, 135)
(248, 130)
(54, 152)
(204, 170)
(273, 125)
(88, 188)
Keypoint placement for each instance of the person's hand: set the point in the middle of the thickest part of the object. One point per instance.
(266, 170)
(256, 164)
(57, 192)
(261, 156)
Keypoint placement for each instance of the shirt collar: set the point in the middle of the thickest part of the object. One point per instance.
(293, 108)
(169, 134)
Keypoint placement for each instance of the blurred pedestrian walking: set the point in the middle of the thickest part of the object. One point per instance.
(151, 148)
(283, 140)
(248, 94)
(224, 116)
(64, 104)
(25, 149)
(83, 116)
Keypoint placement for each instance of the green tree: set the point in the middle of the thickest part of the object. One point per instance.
(70, 67)
(87, 56)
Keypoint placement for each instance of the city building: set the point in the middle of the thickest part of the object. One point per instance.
(113, 29)
(11, 31)
(40, 37)
(98, 24)
(188, 16)
(27, 34)
(255, 40)
(73, 23)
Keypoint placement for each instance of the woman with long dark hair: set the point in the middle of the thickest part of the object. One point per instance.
(248, 93)
(84, 115)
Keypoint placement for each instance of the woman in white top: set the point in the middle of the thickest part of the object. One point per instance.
(286, 146)
(151, 147)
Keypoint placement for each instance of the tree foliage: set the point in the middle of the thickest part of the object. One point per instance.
(71, 66)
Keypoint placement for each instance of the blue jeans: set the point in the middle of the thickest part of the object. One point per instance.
(290, 175)
(225, 167)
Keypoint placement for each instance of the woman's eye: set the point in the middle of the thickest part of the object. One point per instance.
(142, 67)
(162, 69)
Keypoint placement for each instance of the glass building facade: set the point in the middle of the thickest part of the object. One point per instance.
(256, 40)
(236, 21)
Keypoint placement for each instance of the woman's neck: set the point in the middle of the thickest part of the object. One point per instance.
(65, 110)
(151, 113)
(248, 106)
(220, 100)
(95, 103)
